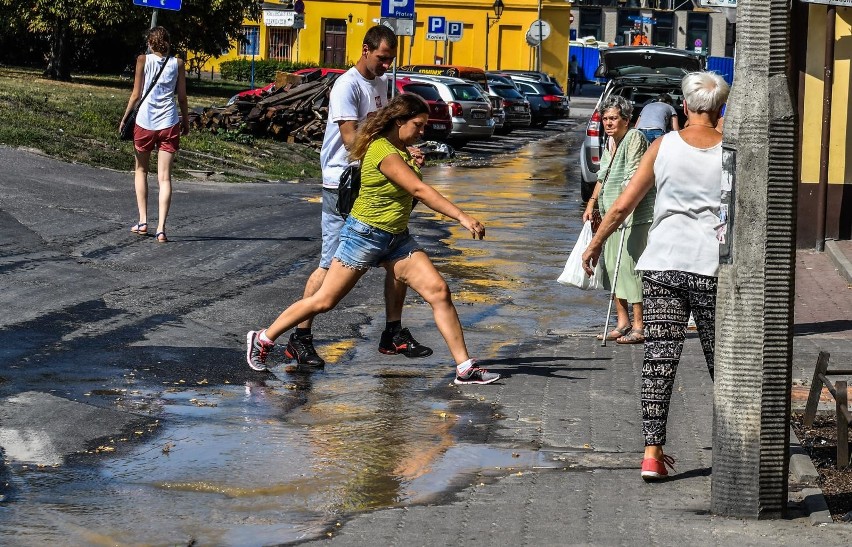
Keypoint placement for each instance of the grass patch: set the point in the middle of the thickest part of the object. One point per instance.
(78, 122)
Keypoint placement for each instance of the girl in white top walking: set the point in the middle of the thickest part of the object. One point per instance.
(157, 124)
(680, 264)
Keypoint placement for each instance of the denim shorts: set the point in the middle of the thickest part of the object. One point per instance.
(652, 134)
(363, 246)
(332, 223)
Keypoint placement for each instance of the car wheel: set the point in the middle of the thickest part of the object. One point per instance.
(586, 189)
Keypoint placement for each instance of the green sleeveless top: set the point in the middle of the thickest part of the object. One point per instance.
(623, 165)
(381, 203)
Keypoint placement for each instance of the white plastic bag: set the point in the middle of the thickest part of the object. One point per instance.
(573, 275)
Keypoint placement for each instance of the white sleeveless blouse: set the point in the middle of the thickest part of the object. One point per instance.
(686, 212)
(159, 111)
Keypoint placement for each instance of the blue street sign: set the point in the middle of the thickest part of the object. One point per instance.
(643, 20)
(399, 9)
(454, 30)
(173, 5)
(436, 28)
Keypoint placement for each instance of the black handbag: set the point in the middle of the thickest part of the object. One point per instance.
(126, 132)
(347, 189)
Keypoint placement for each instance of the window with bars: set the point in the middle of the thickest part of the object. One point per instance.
(250, 45)
(281, 43)
(590, 23)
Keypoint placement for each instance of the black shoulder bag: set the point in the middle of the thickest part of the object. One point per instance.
(347, 190)
(126, 133)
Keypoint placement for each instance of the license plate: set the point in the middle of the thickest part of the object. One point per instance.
(520, 109)
(478, 114)
(439, 126)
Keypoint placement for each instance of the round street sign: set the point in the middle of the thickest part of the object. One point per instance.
(540, 29)
(698, 42)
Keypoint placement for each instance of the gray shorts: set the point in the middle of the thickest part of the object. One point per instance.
(332, 223)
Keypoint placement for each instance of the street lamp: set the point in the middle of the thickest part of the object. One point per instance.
(490, 22)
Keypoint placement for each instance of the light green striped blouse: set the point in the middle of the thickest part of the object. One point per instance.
(626, 161)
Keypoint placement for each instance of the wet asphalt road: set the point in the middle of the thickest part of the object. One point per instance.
(122, 374)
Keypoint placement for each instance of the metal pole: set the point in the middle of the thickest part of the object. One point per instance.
(828, 83)
(487, 32)
(540, 39)
(612, 290)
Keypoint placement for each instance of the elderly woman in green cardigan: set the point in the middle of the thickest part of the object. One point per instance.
(619, 161)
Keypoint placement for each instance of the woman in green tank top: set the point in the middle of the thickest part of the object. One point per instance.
(376, 234)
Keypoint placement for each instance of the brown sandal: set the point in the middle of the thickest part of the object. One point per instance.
(632, 337)
(616, 333)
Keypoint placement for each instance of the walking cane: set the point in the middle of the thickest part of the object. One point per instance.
(612, 291)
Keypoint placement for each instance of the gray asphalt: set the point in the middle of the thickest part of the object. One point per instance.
(87, 304)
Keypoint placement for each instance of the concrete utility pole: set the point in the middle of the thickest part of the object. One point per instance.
(754, 312)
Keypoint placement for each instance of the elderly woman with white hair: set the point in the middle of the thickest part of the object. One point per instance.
(680, 263)
(619, 161)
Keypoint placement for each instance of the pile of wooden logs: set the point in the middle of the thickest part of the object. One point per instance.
(295, 111)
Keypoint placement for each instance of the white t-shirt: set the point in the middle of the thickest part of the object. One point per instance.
(353, 97)
(159, 110)
(686, 212)
(656, 115)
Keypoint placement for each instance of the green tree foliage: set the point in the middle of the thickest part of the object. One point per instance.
(203, 26)
(61, 21)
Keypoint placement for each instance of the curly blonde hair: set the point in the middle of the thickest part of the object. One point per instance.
(403, 107)
(158, 40)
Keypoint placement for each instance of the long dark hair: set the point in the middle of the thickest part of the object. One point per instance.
(403, 107)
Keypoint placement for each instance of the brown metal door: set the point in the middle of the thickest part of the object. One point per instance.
(334, 42)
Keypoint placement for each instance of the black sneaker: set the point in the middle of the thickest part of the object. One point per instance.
(476, 375)
(301, 348)
(257, 350)
(402, 343)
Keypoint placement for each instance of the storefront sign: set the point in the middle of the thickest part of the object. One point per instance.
(288, 19)
(845, 3)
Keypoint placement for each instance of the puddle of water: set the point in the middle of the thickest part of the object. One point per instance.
(277, 461)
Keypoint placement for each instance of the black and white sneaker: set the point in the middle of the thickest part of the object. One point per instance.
(257, 350)
(402, 343)
(301, 348)
(476, 375)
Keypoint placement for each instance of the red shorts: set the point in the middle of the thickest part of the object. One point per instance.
(168, 140)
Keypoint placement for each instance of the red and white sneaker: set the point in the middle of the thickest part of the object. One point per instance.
(655, 470)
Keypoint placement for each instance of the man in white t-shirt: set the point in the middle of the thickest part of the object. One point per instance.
(356, 94)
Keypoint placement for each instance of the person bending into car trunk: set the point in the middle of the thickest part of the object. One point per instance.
(376, 234)
(356, 94)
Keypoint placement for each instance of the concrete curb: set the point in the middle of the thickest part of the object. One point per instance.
(803, 471)
(843, 264)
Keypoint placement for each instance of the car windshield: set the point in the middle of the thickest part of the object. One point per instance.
(466, 92)
(506, 91)
(428, 92)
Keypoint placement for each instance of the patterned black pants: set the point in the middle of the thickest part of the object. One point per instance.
(668, 297)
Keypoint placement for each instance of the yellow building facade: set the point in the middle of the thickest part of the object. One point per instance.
(838, 211)
(333, 32)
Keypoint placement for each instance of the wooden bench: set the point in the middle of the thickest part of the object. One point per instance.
(838, 391)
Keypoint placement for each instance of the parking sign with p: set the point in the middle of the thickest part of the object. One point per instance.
(436, 28)
(454, 30)
(400, 9)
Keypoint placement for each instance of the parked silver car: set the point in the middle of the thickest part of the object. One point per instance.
(469, 108)
(639, 74)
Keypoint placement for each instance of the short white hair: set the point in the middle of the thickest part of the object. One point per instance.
(704, 91)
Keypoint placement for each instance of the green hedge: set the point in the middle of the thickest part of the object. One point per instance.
(264, 70)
